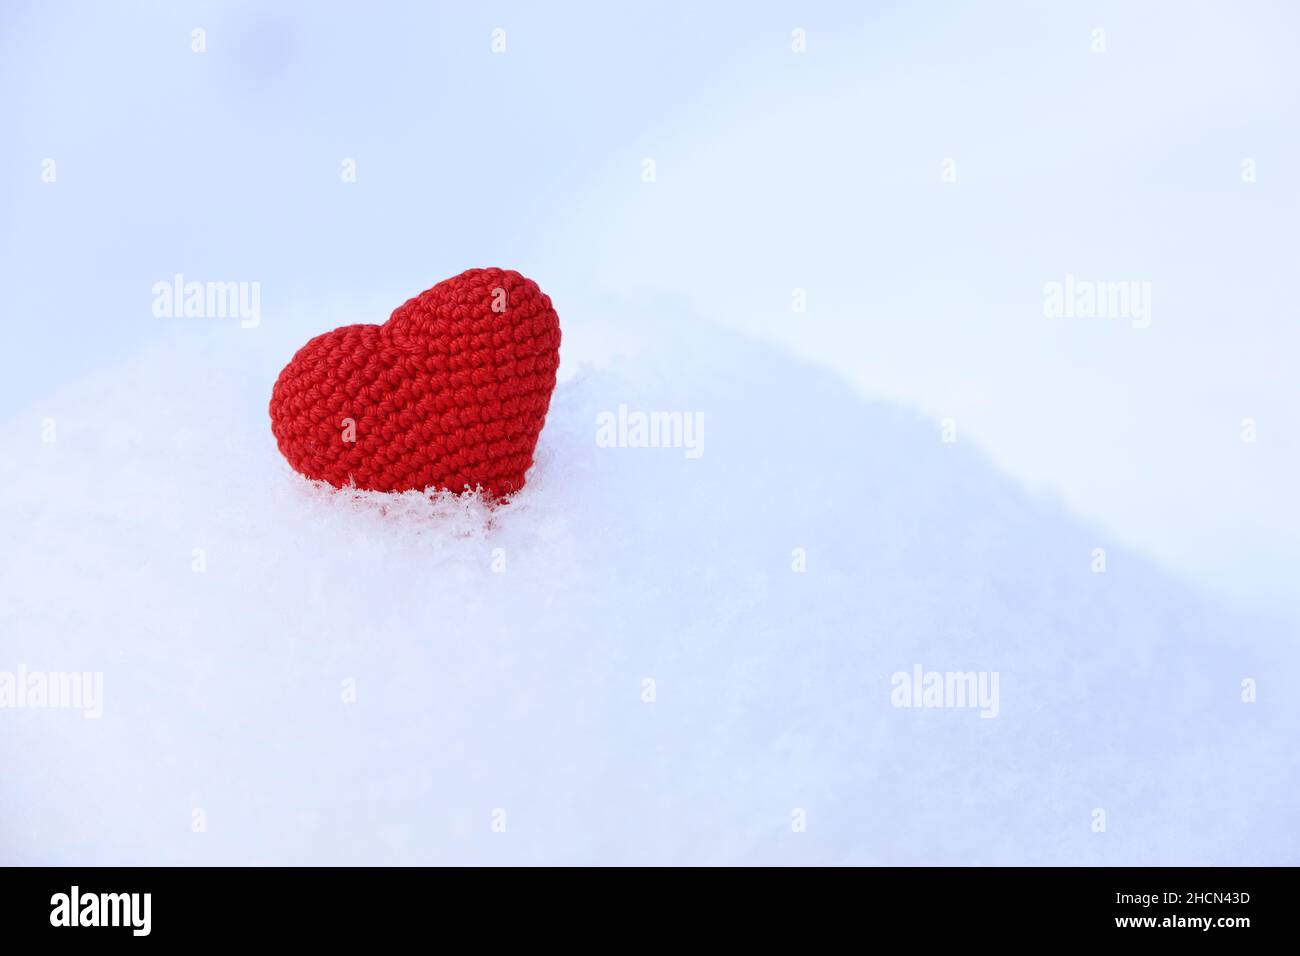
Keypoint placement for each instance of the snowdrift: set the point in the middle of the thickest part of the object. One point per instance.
(647, 656)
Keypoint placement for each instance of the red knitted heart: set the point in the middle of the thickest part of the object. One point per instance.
(449, 393)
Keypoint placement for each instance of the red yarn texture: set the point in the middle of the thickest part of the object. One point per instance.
(449, 393)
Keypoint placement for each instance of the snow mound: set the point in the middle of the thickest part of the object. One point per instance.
(643, 657)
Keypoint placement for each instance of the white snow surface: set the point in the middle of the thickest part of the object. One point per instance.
(517, 696)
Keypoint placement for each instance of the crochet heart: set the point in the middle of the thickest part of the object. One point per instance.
(450, 393)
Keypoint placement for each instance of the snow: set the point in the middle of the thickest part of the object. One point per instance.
(502, 712)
